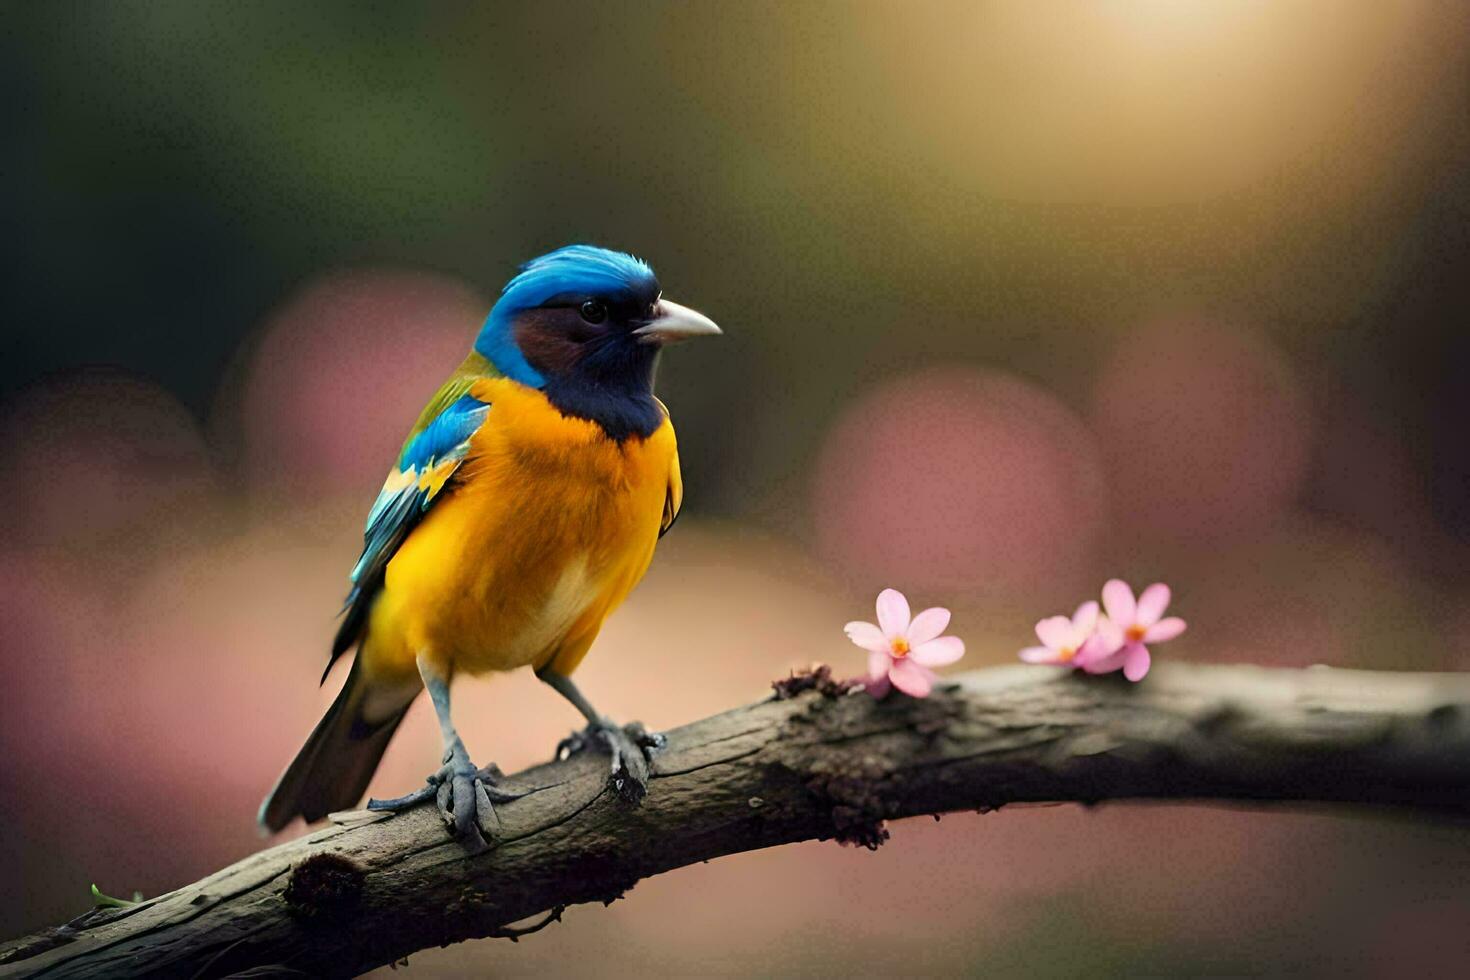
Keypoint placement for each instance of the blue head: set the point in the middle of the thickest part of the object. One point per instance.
(585, 325)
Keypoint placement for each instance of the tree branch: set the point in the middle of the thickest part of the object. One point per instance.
(368, 890)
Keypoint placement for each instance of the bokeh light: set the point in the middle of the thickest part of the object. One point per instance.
(86, 460)
(1205, 431)
(956, 480)
(341, 372)
(1143, 102)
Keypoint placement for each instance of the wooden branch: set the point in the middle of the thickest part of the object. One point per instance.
(369, 890)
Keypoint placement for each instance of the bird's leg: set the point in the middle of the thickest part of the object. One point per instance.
(466, 795)
(630, 747)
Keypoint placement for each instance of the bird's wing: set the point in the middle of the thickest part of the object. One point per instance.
(439, 442)
(673, 498)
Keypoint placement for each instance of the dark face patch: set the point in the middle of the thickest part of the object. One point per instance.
(593, 365)
(552, 338)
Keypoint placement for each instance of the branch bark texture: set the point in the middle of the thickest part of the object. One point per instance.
(368, 890)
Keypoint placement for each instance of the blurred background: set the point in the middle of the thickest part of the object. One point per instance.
(1017, 297)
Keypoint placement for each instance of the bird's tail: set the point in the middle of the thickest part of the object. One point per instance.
(333, 768)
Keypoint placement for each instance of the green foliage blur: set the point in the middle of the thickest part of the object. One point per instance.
(849, 187)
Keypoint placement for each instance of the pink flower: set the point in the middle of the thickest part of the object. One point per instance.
(1130, 624)
(1067, 641)
(901, 650)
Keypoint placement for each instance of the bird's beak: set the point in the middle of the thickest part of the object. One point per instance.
(673, 322)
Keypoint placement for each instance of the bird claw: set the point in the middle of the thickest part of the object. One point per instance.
(466, 798)
(630, 749)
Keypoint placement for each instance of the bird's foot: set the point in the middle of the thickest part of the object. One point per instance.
(631, 748)
(466, 797)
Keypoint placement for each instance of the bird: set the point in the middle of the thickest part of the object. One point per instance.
(523, 508)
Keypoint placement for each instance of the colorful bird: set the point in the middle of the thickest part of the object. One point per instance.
(525, 505)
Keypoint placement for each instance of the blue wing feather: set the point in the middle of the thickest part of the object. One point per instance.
(444, 441)
(426, 464)
(449, 431)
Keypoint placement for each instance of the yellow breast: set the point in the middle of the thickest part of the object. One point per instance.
(548, 527)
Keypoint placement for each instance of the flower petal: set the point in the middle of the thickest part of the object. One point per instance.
(1083, 621)
(879, 686)
(1054, 631)
(911, 679)
(1118, 601)
(1039, 655)
(1152, 603)
(1135, 661)
(878, 664)
(893, 613)
(1164, 629)
(1102, 663)
(866, 635)
(927, 625)
(1104, 642)
(937, 653)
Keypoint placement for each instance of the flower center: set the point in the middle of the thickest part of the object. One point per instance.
(899, 647)
(1066, 653)
(1135, 633)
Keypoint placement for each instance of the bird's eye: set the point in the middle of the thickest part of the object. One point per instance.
(593, 312)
